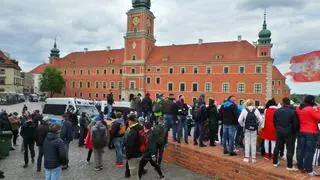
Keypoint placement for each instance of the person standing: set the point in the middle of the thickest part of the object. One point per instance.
(149, 154)
(250, 120)
(170, 110)
(99, 141)
(132, 146)
(230, 122)
(66, 136)
(199, 114)
(157, 107)
(269, 132)
(41, 133)
(37, 118)
(84, 122)
(147, 107)
(88, 141)
(286, 124)
(118, 129)
(54, 153)
(159, 131)
(309, 117)
(138, 105)
(212, 111)
(182, 115)
(28, 133)
(14, 120)
(110, 102)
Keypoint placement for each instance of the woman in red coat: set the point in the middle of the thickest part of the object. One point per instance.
(269, 132)
(88, 141)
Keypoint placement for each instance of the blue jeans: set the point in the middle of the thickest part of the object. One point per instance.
(118, 144)
(305, 151)
(176, 129)
(229, 132)
(53, 174)
(168, 123)
(40, 155)
(109, 111)
(198, 131)
(184, 128)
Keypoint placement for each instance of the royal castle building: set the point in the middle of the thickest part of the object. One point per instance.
(217, 69)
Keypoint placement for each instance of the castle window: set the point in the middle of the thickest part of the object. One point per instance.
(208, 70)
(158, 80)
(182, 70)
(171, 70)
(133, 71)
(133, 57)
(195, 70)
(135, 29)
(225, 87)
(170, 86)
(208, 87)
(80, 84)
(195, 87)
(112, 71)
(226, 69)
(97, 84)
(104, 71)
(158, 69)
(112, 84)
(182, 87)
(120, 71)
(120, 85)
(241, 88)
(257, 88)
(104, 85)
(148, 80)
(132, 85)
(80, 71)
(258, 69)
(97, 71)
(241, 69)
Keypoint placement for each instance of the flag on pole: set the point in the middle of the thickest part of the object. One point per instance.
(305, 67)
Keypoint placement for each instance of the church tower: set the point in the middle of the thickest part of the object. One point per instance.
(264, 42)
(54, 53)
(139, 41)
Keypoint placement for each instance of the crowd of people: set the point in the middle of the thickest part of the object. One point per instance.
(139, 136)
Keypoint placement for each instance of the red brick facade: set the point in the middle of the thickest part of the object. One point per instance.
(217, 69)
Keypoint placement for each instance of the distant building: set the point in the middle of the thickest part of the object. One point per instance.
(28, 83)
(217, 69)
(36, 72)
(10, 76)
(279, 87)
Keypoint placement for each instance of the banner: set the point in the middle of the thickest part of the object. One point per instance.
(305, 67)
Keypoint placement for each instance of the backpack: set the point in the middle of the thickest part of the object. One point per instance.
(159, 133)
(99, 137)
(196, 112)
(156, 107)
(143, 140)
(251, 122)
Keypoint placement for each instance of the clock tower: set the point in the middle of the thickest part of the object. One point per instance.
(139, 41)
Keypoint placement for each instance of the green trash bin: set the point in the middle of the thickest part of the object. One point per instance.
(5, 143)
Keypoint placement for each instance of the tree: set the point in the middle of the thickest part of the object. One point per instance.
(52, 81)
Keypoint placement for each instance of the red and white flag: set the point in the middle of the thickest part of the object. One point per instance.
(305, 67)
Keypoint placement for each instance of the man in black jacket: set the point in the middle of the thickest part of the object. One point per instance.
(199, 112)
(54, 153)
(28, 132)
(37, 118)
(286, 124)
(147, 106)
(132, 146)
(230, 121)
(66, 135)
(110, 102)
(84, 122)
(41, 134)
(213, 121)
(170, 111)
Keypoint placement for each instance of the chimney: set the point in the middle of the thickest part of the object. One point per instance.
(200, 41)
(239, 38)
(108, 48)
(85, 50)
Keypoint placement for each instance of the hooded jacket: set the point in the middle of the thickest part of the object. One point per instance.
(285, 121)
(41, 133)
(229, 113)
(28, 131)
(54, 151)
(146, 104)
(133, 141)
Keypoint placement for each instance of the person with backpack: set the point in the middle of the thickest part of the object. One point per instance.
(159, 131)
(134, 145)
(28, 133)
(212, 112)
(54, 153)
(149, 153)
(84, 122)
(41, 133)
(66, 135)
(147, 107)
(229, 114)
(157, 107)
(269, 133)
(309, 118)
(286, 124)
(199, 114)
(99, 141)
(118, 129)
(182, 116)
(250, 119)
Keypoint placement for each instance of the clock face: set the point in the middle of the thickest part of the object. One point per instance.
(135, 20)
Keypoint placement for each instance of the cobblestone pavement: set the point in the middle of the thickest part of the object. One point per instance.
(79, 169)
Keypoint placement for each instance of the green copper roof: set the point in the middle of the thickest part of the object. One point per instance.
(55, 51)
(141, 4)
(264, 34)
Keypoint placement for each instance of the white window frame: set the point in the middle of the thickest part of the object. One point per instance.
(104, 84)
(244, 69)
(184, 86)
(170, 69)
(195, 68)
(182, 68)
(244, 88)
(158, 69)
(159, 79)
(113, 71)
(134, 85)
(80, 82)
(254, 88)
(206, 87)
(227, 83)
(134, 70)
(114, 85)
(255, 69)
(192, 86)
(148, 77)
(95, 84)
(120, 85)
(228, 69)
(73, 84)
(210, 68)
(172, 86)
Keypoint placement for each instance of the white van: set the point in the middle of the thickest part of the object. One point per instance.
(54, 108)
(117, 106)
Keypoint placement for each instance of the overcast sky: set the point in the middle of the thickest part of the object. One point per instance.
(28, 28)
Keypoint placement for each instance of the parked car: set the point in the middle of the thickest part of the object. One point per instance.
(33, 98)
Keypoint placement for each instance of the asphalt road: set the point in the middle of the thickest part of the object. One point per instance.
(79, 169)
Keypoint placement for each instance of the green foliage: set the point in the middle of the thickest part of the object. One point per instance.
(52, 81)
(298, 98)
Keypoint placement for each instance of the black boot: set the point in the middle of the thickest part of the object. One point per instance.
(195, 143)
(202, 145)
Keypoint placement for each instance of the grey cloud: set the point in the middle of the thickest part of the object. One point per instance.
(261, 4)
